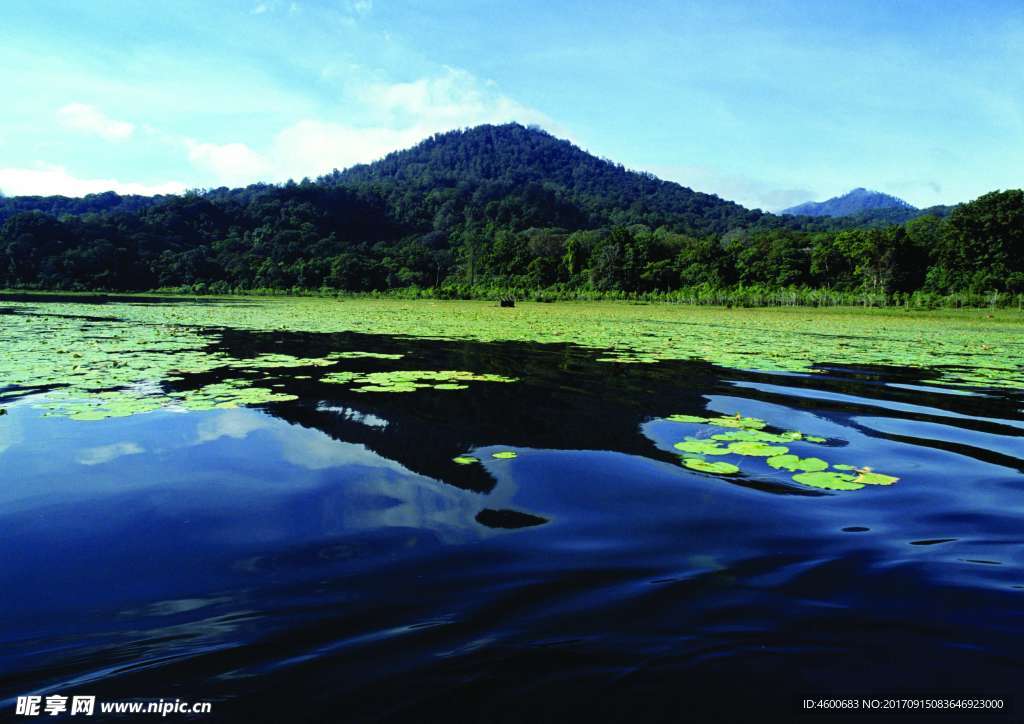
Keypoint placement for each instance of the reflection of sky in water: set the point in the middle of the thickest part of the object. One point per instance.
(153, 507)
(135, 540)
(241, 462)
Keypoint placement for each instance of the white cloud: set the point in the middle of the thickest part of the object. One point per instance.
(404, 114)
(452, 98)
(260, 8)
(234, 164)
(47, 179)
(311, 148)
(89, 119)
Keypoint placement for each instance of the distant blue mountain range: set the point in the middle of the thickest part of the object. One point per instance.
(857, 201)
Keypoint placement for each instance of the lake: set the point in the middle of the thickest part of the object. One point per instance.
(380, 510)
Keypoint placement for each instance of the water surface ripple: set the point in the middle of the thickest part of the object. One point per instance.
(322, 557)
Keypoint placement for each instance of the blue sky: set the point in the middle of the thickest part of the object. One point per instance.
(768, 103)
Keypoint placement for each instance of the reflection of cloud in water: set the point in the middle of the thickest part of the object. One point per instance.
(380, 499)
(315, 450)
(231, 423)
(363, 418)
(106, 453)
(305, 447)
(367, 490)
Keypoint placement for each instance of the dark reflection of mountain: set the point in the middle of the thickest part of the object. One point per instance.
(563, 400)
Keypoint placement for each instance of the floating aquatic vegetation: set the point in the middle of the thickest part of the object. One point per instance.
(411, 380)
(795, 463)
(686, 418)
(504, 455)
(718, 468)
(627, 357)
(867, 476)
(747, 423)
(280, 361)
(757, 436)
(757, 449)
(751, 440)
(702, 447)
(828, 480)
(465, 460)
(72, 352)
(365, 355)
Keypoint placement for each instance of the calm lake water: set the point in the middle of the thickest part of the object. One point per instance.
(323, 557)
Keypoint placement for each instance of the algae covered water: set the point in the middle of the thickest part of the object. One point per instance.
(371, 510)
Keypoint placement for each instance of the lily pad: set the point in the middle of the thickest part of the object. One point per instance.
(755, 436)
(757, 449)
(686, 418)
(871, 478)
(717, 468)
(843, 466)
(795, 464)
(504, 455)
(701, 447)
(748, 423)
(814, 438)
(828, 481)
(465, 460)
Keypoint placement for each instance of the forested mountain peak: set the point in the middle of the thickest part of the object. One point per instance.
(857, 201)
(493, 161)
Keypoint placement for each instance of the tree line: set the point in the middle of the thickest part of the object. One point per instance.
(512, 209)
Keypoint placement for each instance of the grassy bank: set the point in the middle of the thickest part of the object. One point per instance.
(745, 297)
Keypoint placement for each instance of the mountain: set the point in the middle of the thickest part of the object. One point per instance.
(489, 163)
(487, 208)
(858, 201)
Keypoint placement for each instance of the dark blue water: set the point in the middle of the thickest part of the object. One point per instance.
(324, 560)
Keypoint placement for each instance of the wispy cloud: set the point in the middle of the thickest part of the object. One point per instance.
(231, 163)
(89, 119)
(404, 113)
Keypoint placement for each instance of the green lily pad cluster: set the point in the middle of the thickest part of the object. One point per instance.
(471, 459)
(411, 380)
(749, 439)
(73, 363)
(365, 355)
(73, 350)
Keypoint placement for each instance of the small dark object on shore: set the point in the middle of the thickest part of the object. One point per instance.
(507, 302)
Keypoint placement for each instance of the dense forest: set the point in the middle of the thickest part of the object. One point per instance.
(495, 210)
